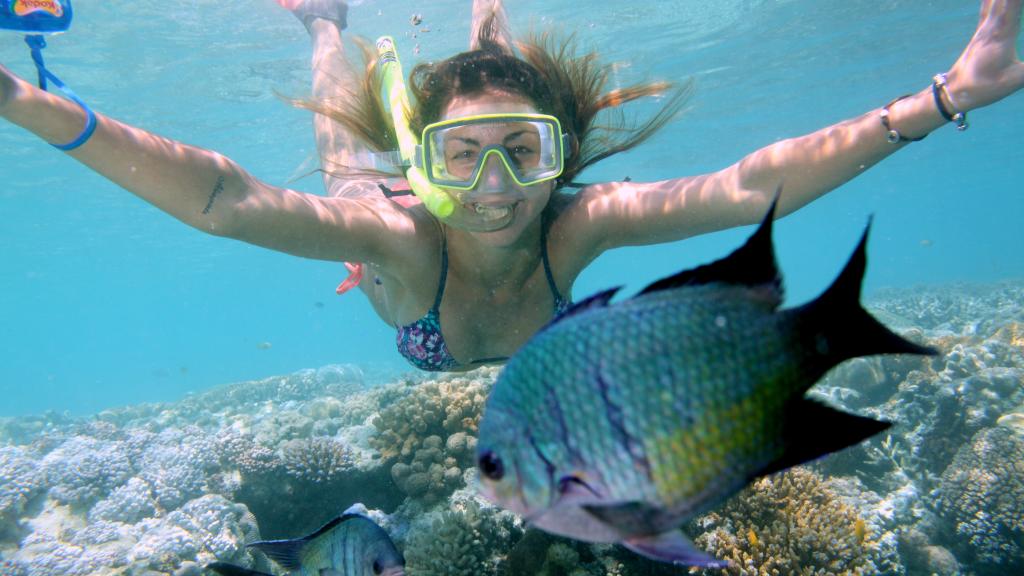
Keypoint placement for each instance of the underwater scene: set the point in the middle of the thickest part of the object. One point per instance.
(175, 403)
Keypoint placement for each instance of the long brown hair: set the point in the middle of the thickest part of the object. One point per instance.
(549, 73)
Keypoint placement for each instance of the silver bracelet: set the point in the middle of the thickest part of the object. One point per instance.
(891, 134)
(939, 85)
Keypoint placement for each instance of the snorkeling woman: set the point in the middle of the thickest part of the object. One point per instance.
(502, 136)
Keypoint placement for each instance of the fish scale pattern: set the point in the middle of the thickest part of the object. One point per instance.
(683, 413)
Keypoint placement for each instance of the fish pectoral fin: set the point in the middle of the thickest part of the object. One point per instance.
(574, 489)
(630, 518)
(813, 430)
(673, 547)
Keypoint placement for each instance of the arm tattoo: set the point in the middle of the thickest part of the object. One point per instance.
(217, 189)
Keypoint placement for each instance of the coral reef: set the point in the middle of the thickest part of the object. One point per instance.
(469, 539)
(982, 495)
(317, 459)
(165, 488)
(20, 481)
(83, 469)
(792, 523)
(937, 405)
(428, 436)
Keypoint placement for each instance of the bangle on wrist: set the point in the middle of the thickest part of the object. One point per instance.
(939, 85)
(891, 134)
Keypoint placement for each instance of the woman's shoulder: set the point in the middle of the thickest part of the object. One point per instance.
(572, 241)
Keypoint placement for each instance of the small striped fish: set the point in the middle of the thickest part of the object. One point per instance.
(350, 545)
(618, 422)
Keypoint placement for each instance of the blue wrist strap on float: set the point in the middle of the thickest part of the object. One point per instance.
(45, 17)
(36, 42)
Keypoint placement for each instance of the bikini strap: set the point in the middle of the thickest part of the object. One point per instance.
(547, 263)
(436, 308)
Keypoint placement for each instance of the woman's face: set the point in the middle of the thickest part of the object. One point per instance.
(496, 187)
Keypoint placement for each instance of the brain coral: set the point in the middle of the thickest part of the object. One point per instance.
(792, 523)
(982, 495)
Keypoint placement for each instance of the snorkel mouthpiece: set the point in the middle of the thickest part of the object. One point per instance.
(437, 200)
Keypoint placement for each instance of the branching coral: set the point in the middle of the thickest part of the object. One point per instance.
(982, 495)
(792, 524)
(317, 459)
(469, 540)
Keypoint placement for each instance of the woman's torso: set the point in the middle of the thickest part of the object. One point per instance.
(476, 322)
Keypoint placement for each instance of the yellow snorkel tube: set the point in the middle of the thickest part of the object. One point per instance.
(437, 200)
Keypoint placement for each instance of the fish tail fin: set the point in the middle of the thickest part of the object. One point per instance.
(812, 430)
(838, 328)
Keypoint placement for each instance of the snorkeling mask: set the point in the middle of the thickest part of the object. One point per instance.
(454, 152)
(531, 146)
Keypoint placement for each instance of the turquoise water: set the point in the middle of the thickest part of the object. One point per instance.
(106, 301)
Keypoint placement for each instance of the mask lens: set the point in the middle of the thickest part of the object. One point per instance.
(529, 146)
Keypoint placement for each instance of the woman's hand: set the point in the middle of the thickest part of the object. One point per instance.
(989, 69)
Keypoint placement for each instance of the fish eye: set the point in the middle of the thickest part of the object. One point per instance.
(491, 466)
(377, 568)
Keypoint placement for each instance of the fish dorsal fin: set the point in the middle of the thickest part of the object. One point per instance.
(252, 536)
(225, 569)
(288, 553)
(599, 300)
(752, 264)
(812, 430)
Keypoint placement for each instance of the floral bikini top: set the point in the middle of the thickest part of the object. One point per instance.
(422, 343)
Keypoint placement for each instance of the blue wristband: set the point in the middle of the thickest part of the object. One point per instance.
(90, 122)
(37, 43)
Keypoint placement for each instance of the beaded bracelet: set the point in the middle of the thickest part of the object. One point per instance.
(939, 84)
(891, 134)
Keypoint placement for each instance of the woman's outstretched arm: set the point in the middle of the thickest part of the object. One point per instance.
(807, 167)
(196, 186)
(207, 190)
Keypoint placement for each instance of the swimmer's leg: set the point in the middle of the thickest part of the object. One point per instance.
(333, 78)
(482, 9)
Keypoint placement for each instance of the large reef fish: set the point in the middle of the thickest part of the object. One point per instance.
(350, 545)
(619, 421)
